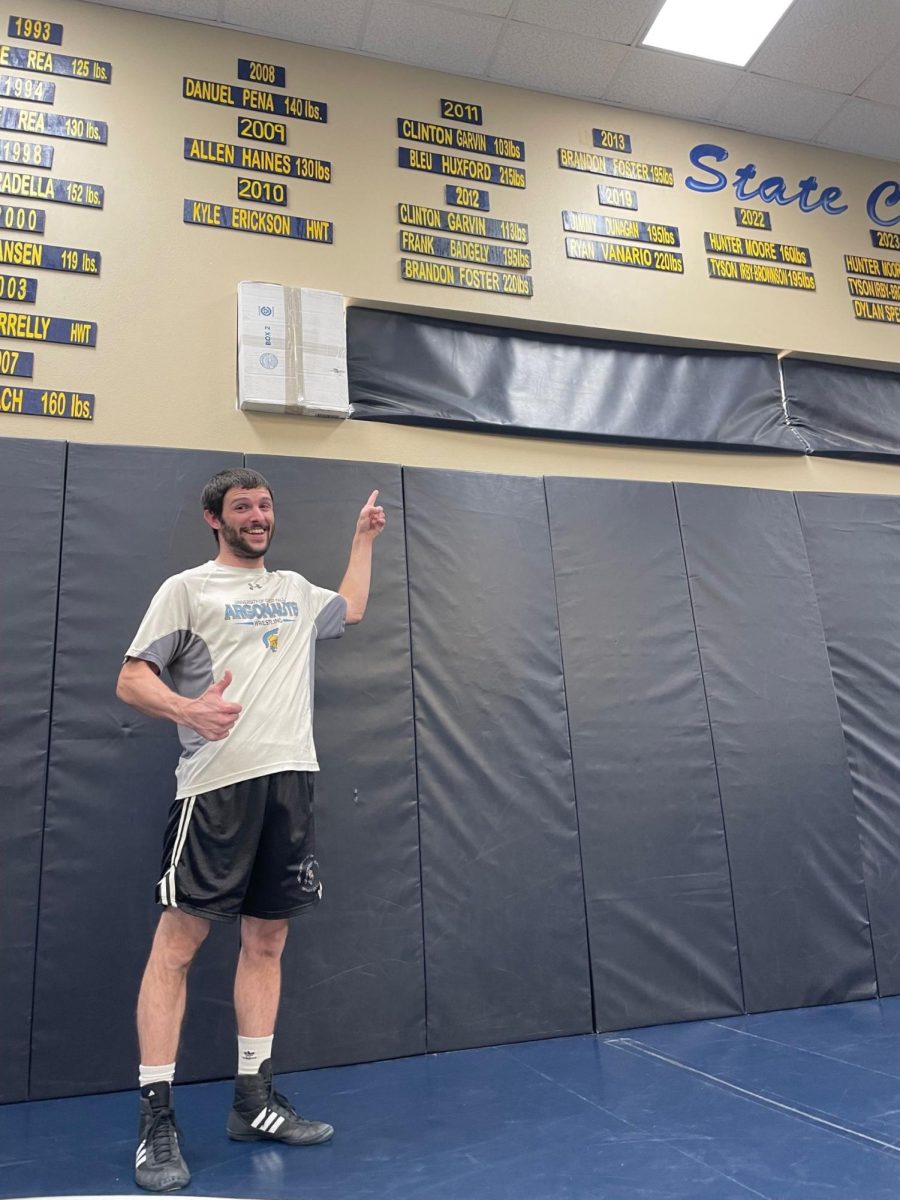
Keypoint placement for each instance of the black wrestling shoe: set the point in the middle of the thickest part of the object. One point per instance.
(263, 1115)
(158, 1165)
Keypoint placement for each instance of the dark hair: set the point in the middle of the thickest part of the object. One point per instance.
(213, 495)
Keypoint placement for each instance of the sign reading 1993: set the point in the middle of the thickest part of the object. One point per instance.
(29, 29)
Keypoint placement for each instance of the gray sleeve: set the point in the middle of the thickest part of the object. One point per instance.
(165, 632)
(188, 659)
(331, 619)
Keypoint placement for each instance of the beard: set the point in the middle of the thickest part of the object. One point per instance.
(239, 544)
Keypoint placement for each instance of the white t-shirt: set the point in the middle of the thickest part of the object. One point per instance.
(262, 626)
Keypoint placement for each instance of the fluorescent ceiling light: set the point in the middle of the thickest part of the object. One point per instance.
(729, 33)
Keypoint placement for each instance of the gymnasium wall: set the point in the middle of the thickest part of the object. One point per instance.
(602, 754)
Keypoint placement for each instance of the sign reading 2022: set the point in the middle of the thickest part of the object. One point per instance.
(775, 190)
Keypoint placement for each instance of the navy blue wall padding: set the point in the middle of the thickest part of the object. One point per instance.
(854, 552)
(796, 868)
(848, 412)
(659, 904)
(132, 519)
(354, 986)
(505, 941)
(423, 370)
(32, 475)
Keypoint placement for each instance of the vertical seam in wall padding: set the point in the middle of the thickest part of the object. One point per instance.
(562, 663)
(712, 743)
(807, 447)
(37, 911)
(412, 689)
(862, 865)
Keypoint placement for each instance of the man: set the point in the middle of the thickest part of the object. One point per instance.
(240, 837)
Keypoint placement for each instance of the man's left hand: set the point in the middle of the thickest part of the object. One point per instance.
(371, 518)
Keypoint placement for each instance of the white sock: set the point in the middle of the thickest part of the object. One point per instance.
(253, 1052)
(164, 1074)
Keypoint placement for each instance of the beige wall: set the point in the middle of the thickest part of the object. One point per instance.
(164, 369)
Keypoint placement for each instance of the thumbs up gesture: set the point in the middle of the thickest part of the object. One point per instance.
(211, 715)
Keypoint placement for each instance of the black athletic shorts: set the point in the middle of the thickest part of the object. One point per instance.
(246, 849)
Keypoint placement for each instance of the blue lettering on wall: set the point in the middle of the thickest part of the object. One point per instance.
(719, 181)
(889, 192)
(772, 190)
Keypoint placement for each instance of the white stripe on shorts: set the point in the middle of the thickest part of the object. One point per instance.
(167, 883)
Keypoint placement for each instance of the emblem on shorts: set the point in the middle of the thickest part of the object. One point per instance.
(270, 639)
(308, 877)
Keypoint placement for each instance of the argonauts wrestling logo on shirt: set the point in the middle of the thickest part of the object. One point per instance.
(262, 612)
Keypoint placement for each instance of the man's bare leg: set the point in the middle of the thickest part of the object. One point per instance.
(259, 1114)
(163, 992)
(257, 983)
(159, 1165)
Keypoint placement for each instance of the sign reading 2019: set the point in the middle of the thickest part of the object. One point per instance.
(807, 193)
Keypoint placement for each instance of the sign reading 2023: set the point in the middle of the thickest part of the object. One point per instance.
(774, 189)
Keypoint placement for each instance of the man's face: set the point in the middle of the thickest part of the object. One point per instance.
(247, 524)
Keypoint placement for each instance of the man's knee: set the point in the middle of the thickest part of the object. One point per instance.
(263, 939)
(178, 938)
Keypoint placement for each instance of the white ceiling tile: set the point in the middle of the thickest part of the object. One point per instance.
(531, 57)
(490, 8)
(883, 85)
(777, 109)
(832, 44)
(444, 39)
(189, 10)
(337, 23)
(668, 83)
(611, 20)
(862, 127)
